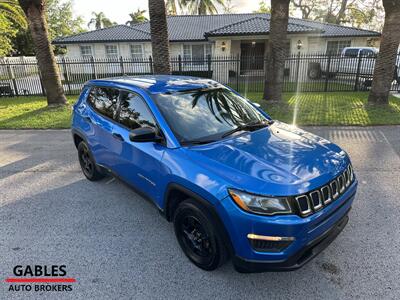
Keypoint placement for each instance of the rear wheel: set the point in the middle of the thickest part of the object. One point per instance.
(198, 237)
(87, 163)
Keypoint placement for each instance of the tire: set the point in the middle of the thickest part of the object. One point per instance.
(88, 165)
(198, 237)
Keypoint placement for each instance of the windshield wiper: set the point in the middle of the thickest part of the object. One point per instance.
(249, 126)
(197, 142)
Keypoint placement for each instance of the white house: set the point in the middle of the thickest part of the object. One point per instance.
(194, 36)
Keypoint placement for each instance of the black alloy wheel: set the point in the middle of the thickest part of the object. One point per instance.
(198, 237)
(87, 163)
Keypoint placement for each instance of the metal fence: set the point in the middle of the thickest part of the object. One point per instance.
(302, 73)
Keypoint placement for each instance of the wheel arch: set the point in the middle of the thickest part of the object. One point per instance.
(77, 137)
(176, 193)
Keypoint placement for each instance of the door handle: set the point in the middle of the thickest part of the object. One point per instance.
(117, 136)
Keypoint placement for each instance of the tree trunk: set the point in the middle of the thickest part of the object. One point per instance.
(276, 50)
(159, 37)
(35, 13)
(386, 60)
(342, 12)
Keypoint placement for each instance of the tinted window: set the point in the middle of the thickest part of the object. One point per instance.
(367, 53)
(204, 113)
(351, 53)
(104, 101)
(134, 112)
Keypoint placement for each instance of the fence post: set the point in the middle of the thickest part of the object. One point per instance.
(121, 63)
(237, 71)
(12, 77)
(358, 73)
(151, 65)
(209, 66)
(297, 69)
(66, 75)
(328, 67)
(94, 73)
(180, 64)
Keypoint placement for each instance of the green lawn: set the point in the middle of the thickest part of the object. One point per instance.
(32, 112)
(346, 108)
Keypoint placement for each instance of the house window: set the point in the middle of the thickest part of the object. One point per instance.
(86, 51)
(111, 51)
(137, 51)
(197, 53)
(187, 52)
(336, 47)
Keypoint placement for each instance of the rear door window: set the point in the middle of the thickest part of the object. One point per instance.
(104, 101)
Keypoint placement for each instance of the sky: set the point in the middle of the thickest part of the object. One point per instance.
(118, 10)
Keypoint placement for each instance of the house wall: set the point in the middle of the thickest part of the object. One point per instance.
(318, 44)
(232, 46)
(98, 49)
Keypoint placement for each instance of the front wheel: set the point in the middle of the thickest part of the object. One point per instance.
(198, 236)
(87, 163)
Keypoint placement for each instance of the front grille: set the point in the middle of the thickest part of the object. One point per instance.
(315, 200)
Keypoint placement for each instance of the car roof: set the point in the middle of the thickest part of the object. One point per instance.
(361, 48)
(156, 84)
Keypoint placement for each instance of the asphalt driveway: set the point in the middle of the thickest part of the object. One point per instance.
(118, 247)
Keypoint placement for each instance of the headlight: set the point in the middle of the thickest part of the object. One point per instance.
(260, 204)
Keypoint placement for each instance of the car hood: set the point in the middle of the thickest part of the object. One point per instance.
(276, 160)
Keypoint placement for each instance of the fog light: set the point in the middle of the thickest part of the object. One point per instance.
(263, 243)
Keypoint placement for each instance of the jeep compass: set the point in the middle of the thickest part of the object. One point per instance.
(235, 183)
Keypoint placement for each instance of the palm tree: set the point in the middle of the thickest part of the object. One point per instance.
(386, 60)
(276, 50)
(159, 37)
(100, 21)
(202, 7)
(136, 17)
(13, 12)
(35, 11)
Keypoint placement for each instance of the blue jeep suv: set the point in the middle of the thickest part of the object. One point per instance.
(235, 183)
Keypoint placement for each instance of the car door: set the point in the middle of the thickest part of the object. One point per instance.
(101, 116)
(367, 62)
(138, 163)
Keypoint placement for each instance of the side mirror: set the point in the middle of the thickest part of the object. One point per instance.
(256, 104)
(144, 134)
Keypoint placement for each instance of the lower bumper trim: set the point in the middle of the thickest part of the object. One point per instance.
(297, 260)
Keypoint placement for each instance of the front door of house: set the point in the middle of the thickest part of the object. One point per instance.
(252, 56)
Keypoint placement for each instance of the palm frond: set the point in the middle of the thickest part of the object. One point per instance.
(13, 12)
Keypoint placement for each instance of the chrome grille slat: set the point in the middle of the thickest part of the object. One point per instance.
(325, 190)
(316, 195)
(301, 200)
(334, 188)
(341, 183)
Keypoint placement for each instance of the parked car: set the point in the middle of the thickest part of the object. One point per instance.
(235, 183)
(351, 61)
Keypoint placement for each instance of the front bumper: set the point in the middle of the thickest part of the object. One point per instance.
(311, 234)
(297, 260)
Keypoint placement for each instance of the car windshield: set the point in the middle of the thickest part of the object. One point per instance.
(208, 114)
